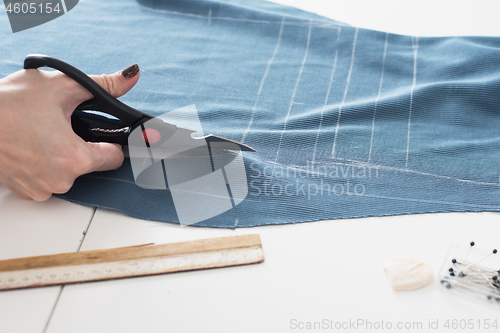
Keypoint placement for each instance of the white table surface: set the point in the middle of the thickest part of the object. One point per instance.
(314, 271)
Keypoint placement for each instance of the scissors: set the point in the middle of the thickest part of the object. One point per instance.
(97, 128)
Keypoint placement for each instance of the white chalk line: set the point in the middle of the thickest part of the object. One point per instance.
(266, 73)
(294, 92)
(378, 97)
(324, 105)
(345, 92)
(414, 41)
(333, 25)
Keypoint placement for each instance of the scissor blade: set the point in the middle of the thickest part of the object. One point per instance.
(183, 137)
(227, 143)
(181, 143)
(193, 152)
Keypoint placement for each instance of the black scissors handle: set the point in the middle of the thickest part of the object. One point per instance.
(85, 124)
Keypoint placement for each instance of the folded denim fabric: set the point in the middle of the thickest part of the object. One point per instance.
(347, 122)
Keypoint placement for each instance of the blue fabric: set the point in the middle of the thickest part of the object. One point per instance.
(347, 122)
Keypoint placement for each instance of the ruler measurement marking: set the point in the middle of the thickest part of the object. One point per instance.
(112, 269)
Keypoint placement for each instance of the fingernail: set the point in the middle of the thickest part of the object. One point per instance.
(130, 71)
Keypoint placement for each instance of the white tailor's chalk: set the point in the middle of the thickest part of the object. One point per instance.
(407, 273)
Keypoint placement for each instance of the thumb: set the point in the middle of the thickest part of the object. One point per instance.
(119, 83)
(104, 156)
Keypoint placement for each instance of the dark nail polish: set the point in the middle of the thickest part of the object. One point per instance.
(130, 71)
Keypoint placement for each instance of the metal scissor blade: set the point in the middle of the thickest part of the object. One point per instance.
(193, 152)
(221, 141)
(181, 143)
(183, 137)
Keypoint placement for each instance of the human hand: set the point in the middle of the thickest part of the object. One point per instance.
(39, 152)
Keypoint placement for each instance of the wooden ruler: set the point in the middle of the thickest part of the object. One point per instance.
(130, 261)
